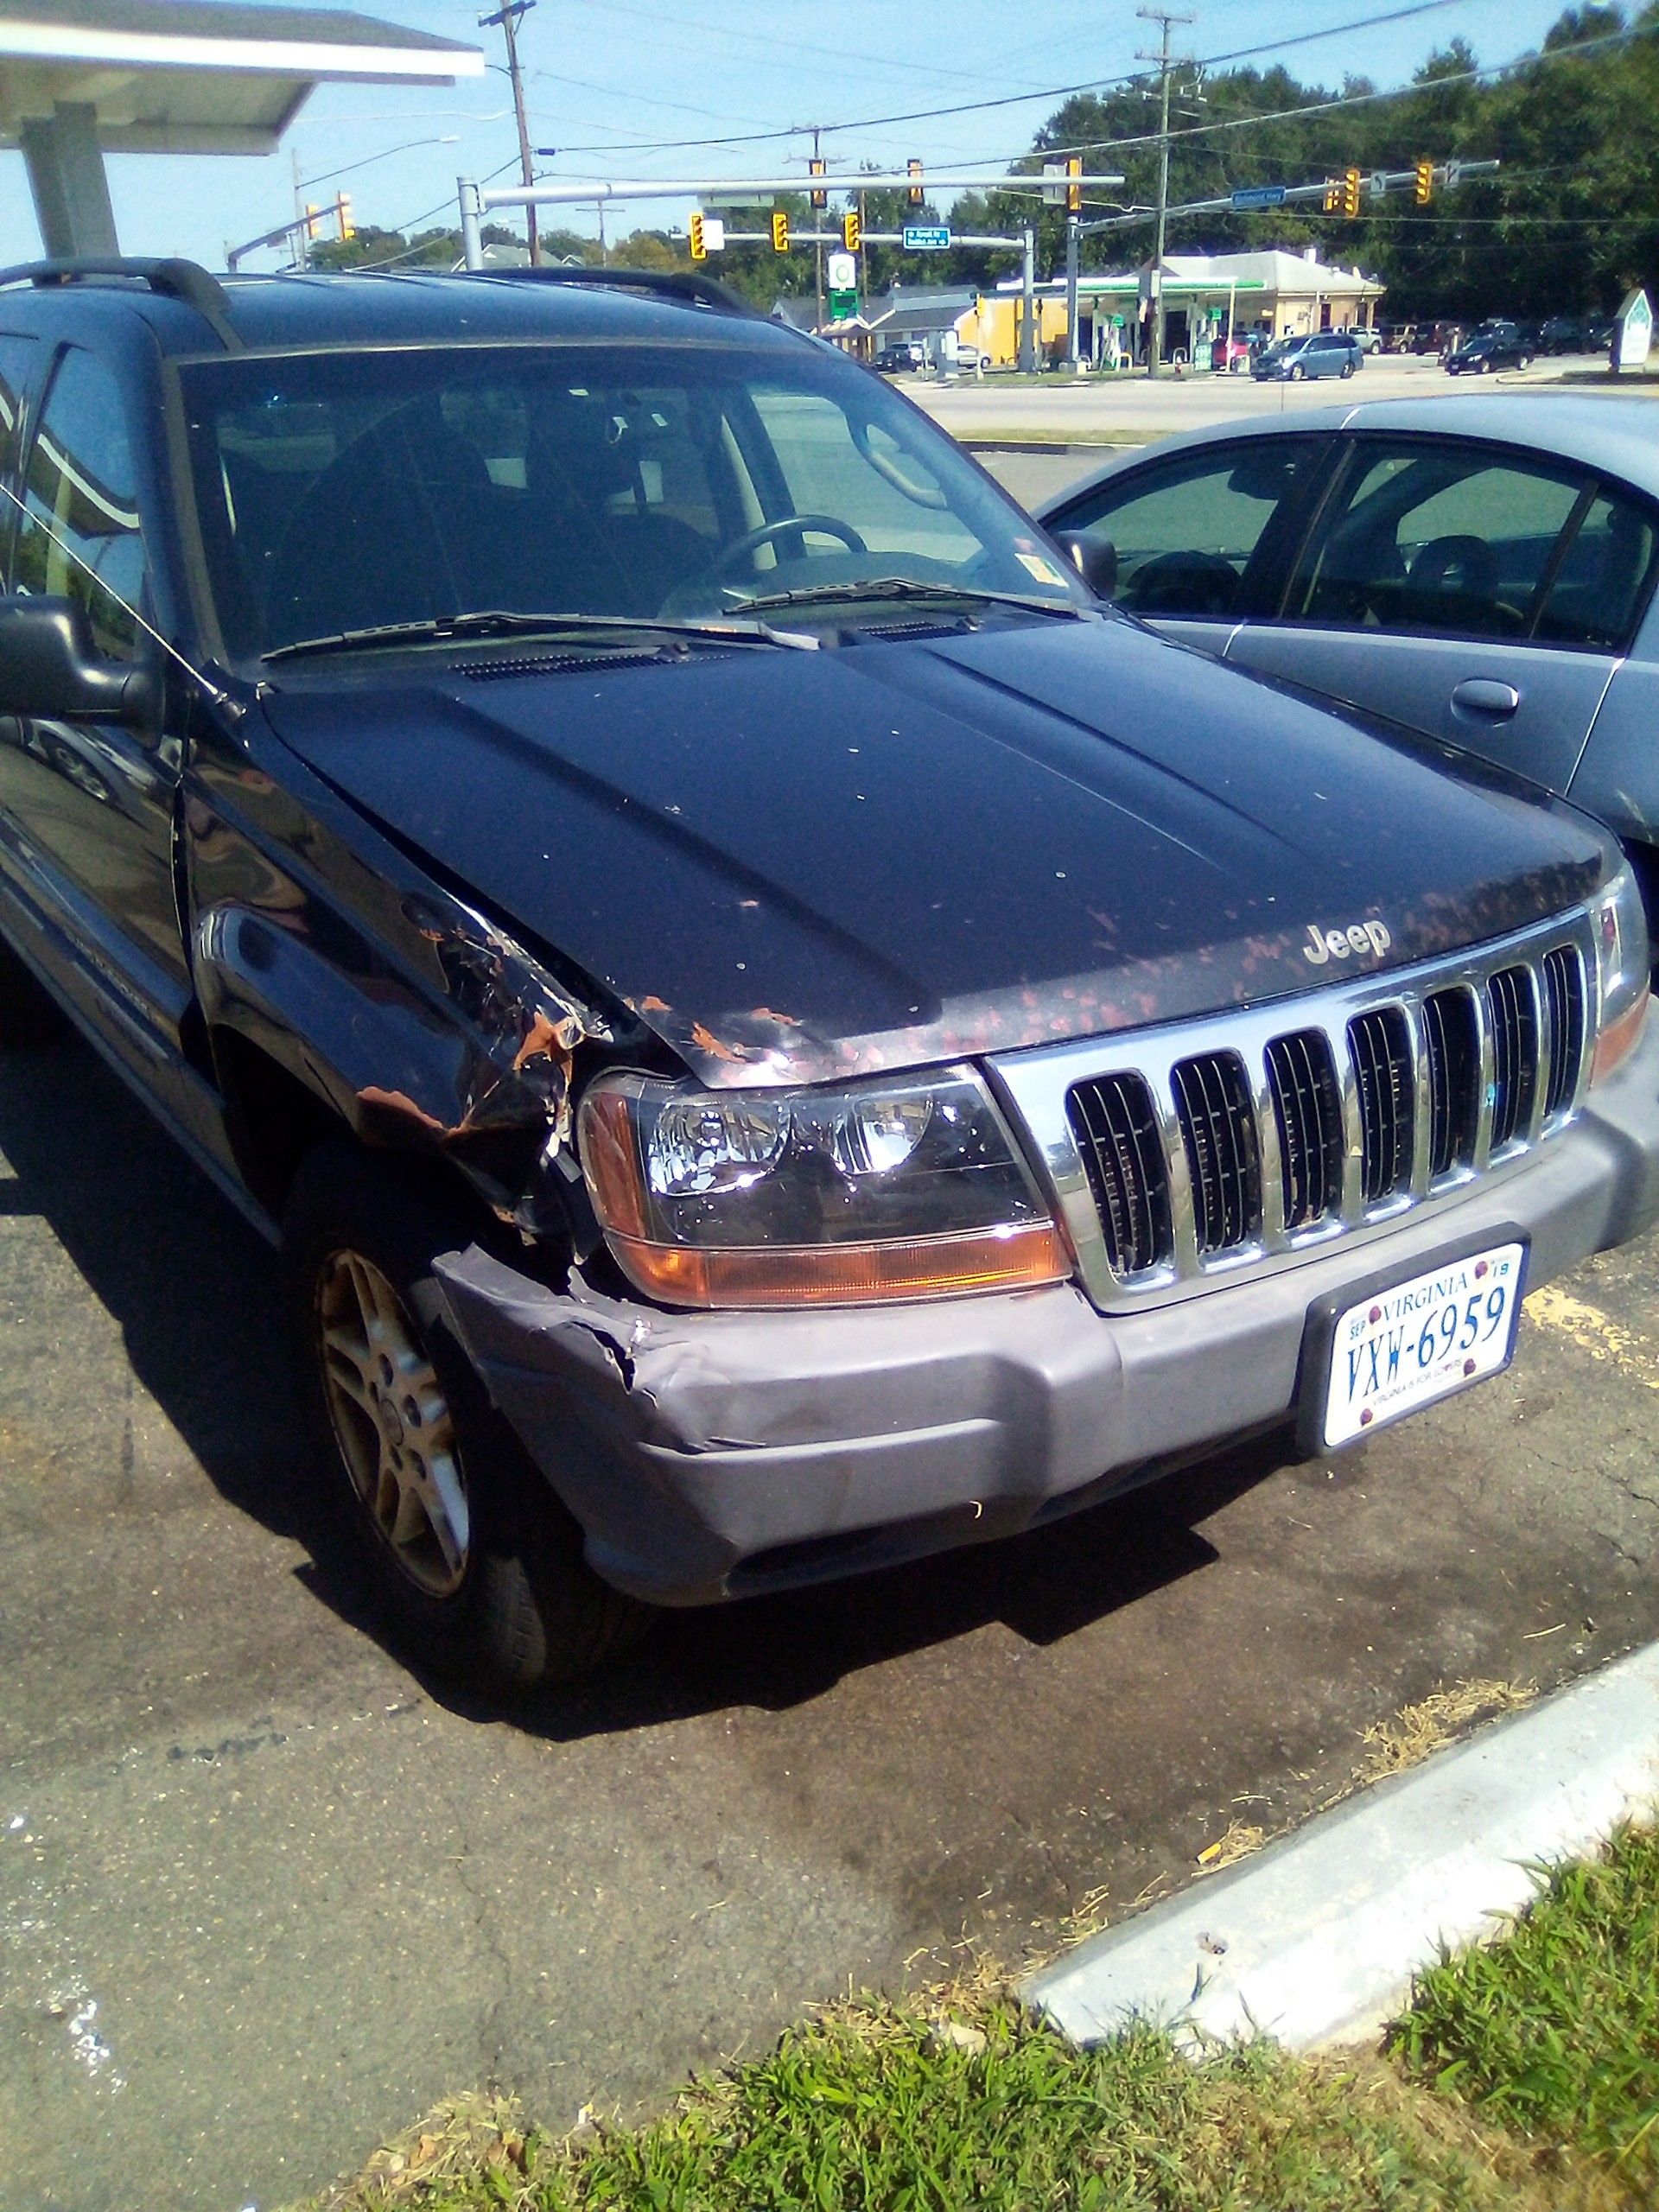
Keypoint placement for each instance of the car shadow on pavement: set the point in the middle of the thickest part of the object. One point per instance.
(194, 1290)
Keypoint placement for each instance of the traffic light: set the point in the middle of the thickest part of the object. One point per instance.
(1351, 194)
(914, 171)
(1425, 183)
(343, 210)
(852, 230)
(1074, 190)
(780, 231)
(313, 217)
(1333, 197)
(820, 197)
(699, 244)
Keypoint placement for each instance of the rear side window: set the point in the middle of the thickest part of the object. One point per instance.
(1604, 578)
(1437, 538)
(79, 537)
(1188, 536)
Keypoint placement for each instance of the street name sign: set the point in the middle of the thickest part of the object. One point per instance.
(1259, 195)
(927, 237)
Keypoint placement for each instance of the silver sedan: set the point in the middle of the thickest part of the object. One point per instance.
(1483, 569)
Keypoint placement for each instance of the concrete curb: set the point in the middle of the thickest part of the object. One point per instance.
(1315, 1941)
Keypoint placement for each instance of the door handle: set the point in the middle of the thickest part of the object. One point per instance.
(1483, 695)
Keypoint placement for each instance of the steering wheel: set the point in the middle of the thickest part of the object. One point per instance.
(794, 526)
(1182, 583)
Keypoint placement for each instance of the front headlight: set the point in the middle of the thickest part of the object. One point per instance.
(1622, 962)
(908, 1187)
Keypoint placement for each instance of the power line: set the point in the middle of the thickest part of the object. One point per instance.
(1020, 99)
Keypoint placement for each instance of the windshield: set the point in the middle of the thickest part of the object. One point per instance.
(340, 491)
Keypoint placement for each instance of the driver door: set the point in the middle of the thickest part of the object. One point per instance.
(1203, 541)
(88, 806)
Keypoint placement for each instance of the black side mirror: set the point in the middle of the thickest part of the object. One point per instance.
(50, 670)
(1095, 559)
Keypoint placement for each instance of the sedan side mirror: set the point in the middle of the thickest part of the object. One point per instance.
(1094, 558)
(51, 671)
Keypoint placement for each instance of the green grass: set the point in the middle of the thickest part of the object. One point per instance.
(1554, 2030)
(881, 2109)
(1524, 2078)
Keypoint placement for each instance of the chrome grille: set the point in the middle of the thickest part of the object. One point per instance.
(1563, 974)
(1217, 1124)
(1308, 1111)
(1452, 1039)
(1116, 1130)
(1513, 1016)
(1190, 1152)
(1381, 1045)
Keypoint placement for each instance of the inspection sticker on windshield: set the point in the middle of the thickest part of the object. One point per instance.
(1405, 1346)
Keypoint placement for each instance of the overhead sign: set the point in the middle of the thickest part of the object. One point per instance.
(1259, 195)
(1635, 329)
(840, 272)
(927, 237)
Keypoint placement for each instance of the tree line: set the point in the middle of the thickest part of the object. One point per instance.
(1568, 225)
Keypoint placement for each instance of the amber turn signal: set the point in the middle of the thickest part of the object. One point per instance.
(1618, 1040)
(844, 1274)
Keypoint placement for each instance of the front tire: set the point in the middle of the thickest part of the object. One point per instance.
(472, 1559)
(1297, 373)
(1486, 368)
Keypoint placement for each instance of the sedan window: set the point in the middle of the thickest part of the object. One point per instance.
(1192, 535)
(1603, 583)
(1436, 539)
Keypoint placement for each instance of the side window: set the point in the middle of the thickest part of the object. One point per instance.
(1437, 538)
(17, 358)
(1187, 535)
(79, 537)
(1602, 583)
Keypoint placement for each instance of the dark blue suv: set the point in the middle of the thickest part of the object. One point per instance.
(774, 1035)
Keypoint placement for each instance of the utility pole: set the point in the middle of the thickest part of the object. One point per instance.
(817, 170)
(507, 16)
(1164, 18)
(302, 259)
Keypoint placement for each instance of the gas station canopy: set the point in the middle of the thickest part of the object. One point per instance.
(81, 77)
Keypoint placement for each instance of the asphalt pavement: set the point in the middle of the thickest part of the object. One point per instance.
(265, 1893)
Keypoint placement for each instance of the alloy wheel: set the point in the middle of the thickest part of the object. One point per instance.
(392, 1423)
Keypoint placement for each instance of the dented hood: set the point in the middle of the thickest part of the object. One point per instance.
(794, 865)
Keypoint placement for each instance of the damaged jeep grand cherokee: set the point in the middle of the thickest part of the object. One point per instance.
(774, 1035)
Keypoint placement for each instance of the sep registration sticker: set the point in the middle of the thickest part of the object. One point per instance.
(1421, 1340)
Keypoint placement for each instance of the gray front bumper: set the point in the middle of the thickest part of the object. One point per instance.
(709, 1455)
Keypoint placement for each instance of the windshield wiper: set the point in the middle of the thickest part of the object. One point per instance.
(907, 588)
(500, 622)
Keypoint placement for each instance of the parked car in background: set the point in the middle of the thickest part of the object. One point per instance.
(1230, 353)
(772, 1036)
(1484, 573)
(899, 357)
(1563, 333)
(1321, 353)
(1368, 340)
(1500, 346)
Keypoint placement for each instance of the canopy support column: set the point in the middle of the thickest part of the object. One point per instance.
(66, 175)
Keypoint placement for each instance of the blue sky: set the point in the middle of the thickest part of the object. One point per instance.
(605, 76)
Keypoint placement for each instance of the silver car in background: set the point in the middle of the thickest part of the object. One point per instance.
(1483, 569)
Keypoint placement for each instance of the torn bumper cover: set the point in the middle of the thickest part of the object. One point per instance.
(711, 1455)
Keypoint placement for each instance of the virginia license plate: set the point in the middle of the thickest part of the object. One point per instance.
(1407, 1345)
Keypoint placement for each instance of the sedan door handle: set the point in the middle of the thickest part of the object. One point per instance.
(1480, 695)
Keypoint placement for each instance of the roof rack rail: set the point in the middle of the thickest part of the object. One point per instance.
(670, 284)
(173, 279)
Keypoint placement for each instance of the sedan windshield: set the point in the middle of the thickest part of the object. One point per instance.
(343, 493)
